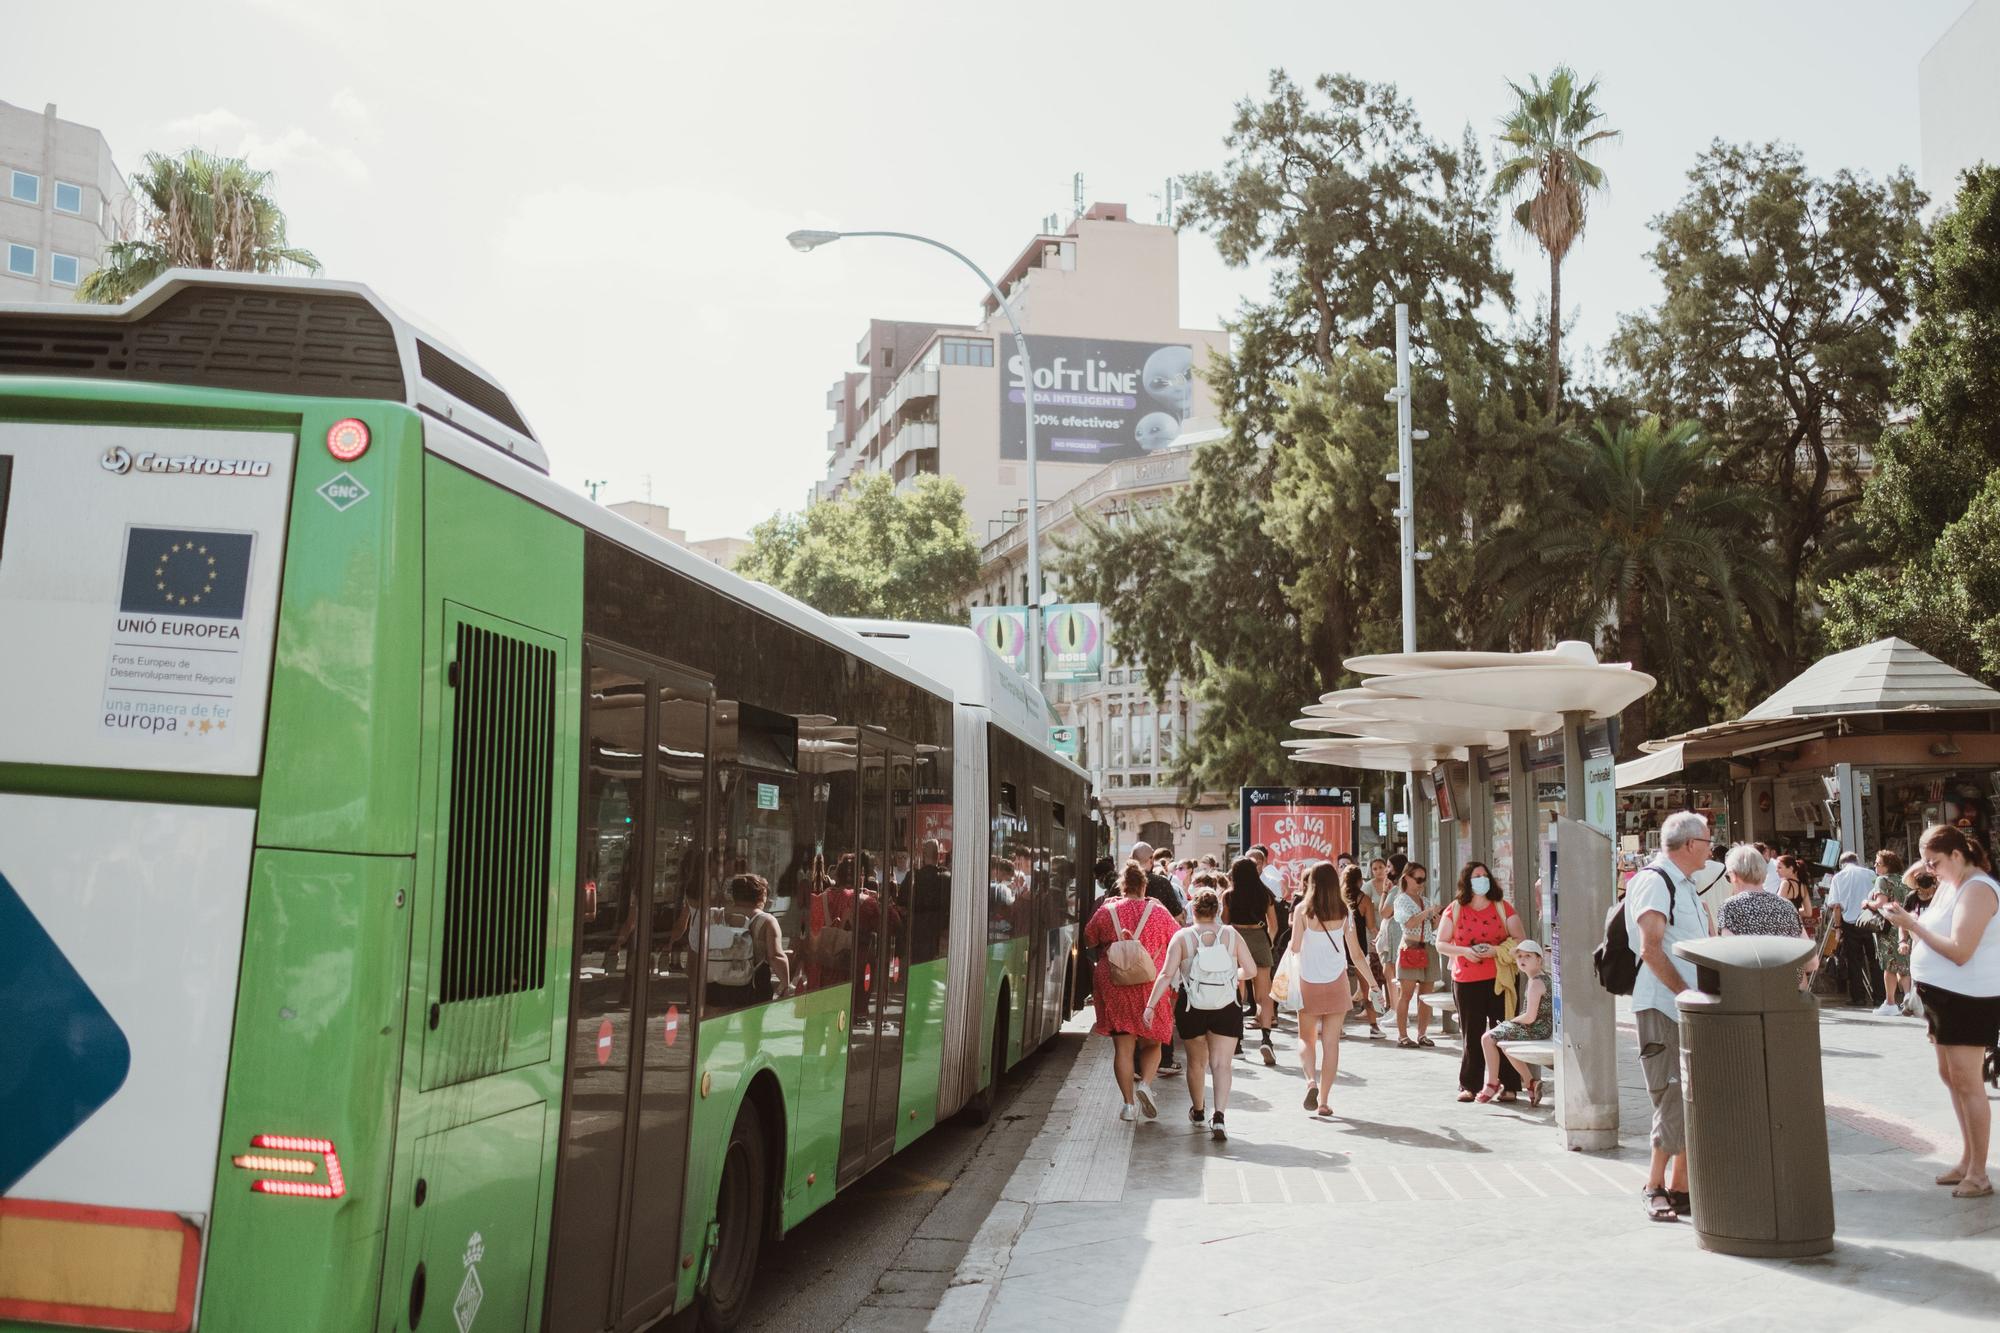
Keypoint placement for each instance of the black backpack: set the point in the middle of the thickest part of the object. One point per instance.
(1616, 966)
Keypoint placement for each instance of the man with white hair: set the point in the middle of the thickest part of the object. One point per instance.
(1845, 898)
(1662, 908)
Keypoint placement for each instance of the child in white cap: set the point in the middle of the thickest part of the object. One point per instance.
(1535, 1022)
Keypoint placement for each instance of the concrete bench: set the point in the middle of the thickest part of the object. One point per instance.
(1444, 1005)
(1542, 1053)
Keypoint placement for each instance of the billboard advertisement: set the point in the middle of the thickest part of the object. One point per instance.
(1073, 639)
(1300, 825)
(1097, 401)
(1005, 629)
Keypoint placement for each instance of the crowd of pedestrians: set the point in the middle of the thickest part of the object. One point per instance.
(1330, 943)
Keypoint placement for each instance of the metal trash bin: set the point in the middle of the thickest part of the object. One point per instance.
(1756, 1112)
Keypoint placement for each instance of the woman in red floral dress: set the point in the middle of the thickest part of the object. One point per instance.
(1121, 1010)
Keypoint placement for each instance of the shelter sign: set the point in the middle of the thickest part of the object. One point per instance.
(1300, 825)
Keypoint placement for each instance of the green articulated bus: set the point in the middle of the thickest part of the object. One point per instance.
(377, 943)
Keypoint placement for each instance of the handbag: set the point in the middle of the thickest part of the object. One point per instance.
(1414, 955)
(1285, 980)
(1130, 964)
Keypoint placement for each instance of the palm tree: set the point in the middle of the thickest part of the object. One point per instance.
(201, 210)
(1638, 533)
(1549, 134)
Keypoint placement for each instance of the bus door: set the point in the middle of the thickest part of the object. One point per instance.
(881, 952)
(615, 1257)
(1034, 1005)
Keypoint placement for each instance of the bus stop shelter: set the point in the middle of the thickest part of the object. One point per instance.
(1433, 715)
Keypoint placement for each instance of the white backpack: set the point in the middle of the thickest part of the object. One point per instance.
(1211, 973)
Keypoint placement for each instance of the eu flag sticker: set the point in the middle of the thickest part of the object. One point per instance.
(183, 572)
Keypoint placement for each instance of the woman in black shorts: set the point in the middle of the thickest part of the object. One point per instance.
(1249, 907)
(1204, 963)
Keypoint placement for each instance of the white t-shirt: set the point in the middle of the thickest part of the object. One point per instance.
(1647, 892)
(1850, 889)
(1979, 974)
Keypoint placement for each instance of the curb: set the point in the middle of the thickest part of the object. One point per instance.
(975, 1283)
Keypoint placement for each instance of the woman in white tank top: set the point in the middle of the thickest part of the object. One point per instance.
(1955, 962)
(1323, 938)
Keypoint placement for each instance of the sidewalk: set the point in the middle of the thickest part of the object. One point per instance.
(1411, 1207)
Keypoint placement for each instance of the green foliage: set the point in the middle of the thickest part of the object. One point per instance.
(1777, 335)
(1278, 559)
(200, 211)
(1549, 135)
(1931, 512)
(1635, 531)
(872, 552)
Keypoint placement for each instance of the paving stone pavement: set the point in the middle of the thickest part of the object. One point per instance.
(1411, 1205)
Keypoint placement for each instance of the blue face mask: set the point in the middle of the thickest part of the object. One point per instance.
(1484, 887)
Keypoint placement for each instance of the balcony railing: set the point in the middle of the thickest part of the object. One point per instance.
(1166, 468)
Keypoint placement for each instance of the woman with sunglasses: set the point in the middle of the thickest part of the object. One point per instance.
(1955, 962)
(1413, 914)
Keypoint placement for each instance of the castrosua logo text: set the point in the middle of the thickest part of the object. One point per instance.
(119, 460)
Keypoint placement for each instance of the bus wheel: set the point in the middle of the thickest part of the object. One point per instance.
(740, 1203)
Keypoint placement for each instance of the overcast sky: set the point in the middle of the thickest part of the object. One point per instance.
(591, 199)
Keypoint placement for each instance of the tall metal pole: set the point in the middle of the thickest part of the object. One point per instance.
(1027, 404)
(1406, 521)
(1406, 488)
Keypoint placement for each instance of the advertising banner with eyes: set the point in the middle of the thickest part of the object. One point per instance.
(1097, 401)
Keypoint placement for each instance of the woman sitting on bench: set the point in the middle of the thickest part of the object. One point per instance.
(1534, 1000)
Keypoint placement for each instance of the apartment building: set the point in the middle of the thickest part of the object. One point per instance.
(1115, 371)
(724, 551)
(1125, 738)
(62, 203)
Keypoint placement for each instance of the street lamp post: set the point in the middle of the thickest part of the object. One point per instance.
(805, 241)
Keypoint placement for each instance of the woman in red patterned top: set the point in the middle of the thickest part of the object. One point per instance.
(1470, 933)
(1121, 1010)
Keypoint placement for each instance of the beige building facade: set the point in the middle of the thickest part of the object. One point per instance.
(724, 551)
(1124, 737)
(1100, 304)
(62, 204)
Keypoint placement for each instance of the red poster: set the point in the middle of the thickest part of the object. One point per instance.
(934, 822)
(1300, 835)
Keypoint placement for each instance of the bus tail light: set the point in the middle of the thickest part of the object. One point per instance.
(332, 1187)
(347, 439)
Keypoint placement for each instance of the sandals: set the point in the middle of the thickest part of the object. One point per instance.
(1312, 1097)
(1952, 1177)
(1326, 1113)
(1660, 1206)
(1534, 1091)
(1406, 1043)
(1425, 1041)
(1508, 1095)
(1485, 1094)
(1969, 1190)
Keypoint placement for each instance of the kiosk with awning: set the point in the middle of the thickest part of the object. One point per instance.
(1859, 752)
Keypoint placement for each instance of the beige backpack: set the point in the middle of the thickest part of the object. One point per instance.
(1131, 965)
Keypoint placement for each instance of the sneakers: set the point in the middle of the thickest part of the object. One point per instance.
(1144, 1093)
(1196, 1116)
(1127, 1112)
(1887, 1010)
(1270, 1055)
(1215, 1129)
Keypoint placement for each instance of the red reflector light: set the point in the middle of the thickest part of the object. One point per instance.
(347, 439)
(332, 1187)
